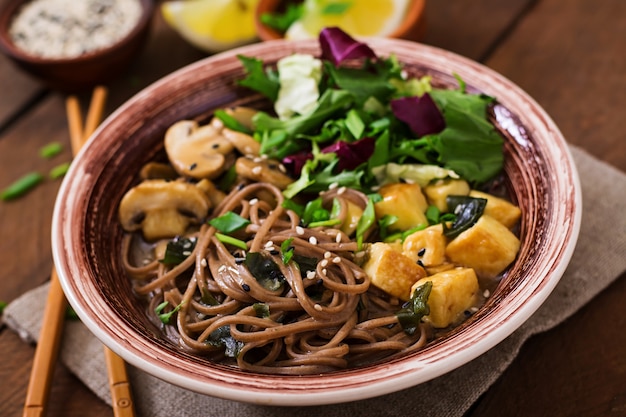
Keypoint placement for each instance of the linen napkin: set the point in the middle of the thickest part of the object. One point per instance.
(602, 238)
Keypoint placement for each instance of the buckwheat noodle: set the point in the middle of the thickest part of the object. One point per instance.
(321, 320)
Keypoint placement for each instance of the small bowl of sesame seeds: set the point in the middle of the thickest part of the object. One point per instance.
(71, 46)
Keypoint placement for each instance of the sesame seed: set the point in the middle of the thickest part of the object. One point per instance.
(359, 254)
(233, 270)
(310, 274)
(269, 244)
(333, 186)
(221, 268)
(324, 271)
(239, 261)
(337, 259)
(474, 309)
(282, 168)
(338, 238)
(203, 262)
(324, 263)
(254, 201)
(313, 240)
(193, 166)
(245, 287)
(257, 160)
(420, 263)
(327, 255)
(274, 252)
(421, 252)
(299, 230)
(486, 294)
(257, 170)
(341, 190)
(318, 307)
(186, 253)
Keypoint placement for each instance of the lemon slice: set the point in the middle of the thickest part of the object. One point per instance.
(358, 18)
(212, 25)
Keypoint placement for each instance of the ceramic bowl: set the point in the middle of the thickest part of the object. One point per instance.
(411, 28)
(83, 71)
(87, 236)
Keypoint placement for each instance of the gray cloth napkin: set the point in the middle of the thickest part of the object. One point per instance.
(602, 238)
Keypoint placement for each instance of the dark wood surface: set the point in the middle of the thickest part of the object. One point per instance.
(569, 55)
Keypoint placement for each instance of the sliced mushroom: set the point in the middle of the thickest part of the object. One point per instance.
(243, 142)
(197, 151)
(162, 209)
(157, 171)
(262, 170)
(216, 196)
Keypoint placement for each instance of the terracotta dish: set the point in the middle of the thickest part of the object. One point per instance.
(87, 235)
(83, 71)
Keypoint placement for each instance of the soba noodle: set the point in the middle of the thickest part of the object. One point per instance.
(319, 320)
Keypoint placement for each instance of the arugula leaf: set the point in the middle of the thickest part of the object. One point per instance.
(282, 21)
(177, 250)
(361, 84)
(229, 222)
(287, 250)
(417, 307)
(222, 338)
(230, 122)
(259, 79)
(470, 144)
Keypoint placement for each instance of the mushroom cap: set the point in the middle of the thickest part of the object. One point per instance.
(197, 151)
(162, 209)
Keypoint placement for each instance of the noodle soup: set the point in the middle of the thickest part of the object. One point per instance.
(356, 221)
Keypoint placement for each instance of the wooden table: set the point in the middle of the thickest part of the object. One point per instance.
(569, 55)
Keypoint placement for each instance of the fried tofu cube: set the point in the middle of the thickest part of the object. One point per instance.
(500, 209)
(437, 192)
(428, 246)
(488, 247)
(453, 292)
(353, 214)
(406, 202)
(391, 271)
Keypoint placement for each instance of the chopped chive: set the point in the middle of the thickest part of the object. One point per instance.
(50, 150)
(231, 241)
(287, 250)
(59, 171)
(3, 305)
(21, 186)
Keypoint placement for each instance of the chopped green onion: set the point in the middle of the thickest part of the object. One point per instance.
(287, 250)
(165, 317)
(50, 150)
(59, 171)
(21, 186)
(229, 240)
(229, 222)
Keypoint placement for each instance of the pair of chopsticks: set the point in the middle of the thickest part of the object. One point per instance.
(56, 305)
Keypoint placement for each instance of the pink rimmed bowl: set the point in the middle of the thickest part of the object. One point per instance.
(87, 237)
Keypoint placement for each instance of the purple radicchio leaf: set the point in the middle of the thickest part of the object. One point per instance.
(420, 113)
(337, 46)
(294, 163)
(352, 154)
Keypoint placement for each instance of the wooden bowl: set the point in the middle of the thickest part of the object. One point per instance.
(411, 28)
(83, 71)
(87, 236)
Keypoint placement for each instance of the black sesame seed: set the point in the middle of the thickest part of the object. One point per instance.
(215, 145)
(274, 252)
(420, 263)
(192, 166)
(421, 252)
(467, 313)
(245, 287)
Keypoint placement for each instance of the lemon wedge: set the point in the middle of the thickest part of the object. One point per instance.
(358, 18)
(212, 25)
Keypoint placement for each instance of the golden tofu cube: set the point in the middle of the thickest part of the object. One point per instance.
(391, 271)
(428, 246)
(353, 214)
(453, 292)
(488, 247)
(500, 209)
(406, 202)
(437, 192)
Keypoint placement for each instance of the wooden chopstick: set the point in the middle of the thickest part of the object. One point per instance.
(56, 304)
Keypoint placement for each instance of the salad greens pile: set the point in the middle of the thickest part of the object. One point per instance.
(354, 119)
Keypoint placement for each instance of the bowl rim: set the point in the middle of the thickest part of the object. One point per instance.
(7, 46)
(398, 374)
